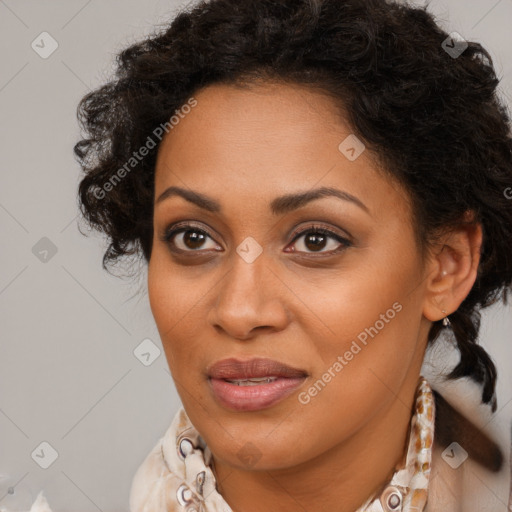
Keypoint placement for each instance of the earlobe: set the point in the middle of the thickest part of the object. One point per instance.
(453, 271)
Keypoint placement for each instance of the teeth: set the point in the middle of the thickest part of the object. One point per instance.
(253, 381)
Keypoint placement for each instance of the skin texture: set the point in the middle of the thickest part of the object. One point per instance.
(244, 147)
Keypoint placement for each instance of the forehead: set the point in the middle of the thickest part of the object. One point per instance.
(267, 140)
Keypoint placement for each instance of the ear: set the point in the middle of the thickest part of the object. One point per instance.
(452, 269)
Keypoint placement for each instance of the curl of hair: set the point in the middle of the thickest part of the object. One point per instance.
(434, 122)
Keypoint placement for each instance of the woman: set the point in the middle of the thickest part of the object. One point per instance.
(320, 189)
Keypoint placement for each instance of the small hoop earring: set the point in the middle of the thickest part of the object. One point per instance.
(446, 320)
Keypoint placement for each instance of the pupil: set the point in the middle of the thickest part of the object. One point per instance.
(193, 239)
(315, 241)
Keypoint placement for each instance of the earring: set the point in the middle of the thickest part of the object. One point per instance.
(446, 320)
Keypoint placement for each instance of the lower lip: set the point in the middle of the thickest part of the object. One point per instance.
(253, 398)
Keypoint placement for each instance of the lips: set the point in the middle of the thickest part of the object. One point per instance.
(233, 369)
(253, 385)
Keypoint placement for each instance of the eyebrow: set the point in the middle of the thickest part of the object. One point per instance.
(278, 206)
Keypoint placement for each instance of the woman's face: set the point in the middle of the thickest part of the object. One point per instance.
(247, 277)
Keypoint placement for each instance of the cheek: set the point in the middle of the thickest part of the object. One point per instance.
(171, 296)
(176, 304)
(167, 304)
(162, 298)
(364, 332)
(347, 304)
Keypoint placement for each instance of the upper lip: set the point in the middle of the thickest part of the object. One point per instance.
(253, 368)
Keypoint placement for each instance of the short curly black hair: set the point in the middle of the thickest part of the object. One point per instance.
(433, 118)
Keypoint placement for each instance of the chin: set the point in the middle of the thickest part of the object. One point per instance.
(251, 457)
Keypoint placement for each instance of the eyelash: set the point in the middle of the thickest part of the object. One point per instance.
(175, 229)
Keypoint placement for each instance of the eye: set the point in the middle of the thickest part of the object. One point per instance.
(186, 238)
(317, 238)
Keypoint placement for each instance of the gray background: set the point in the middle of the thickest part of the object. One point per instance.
(68, 374)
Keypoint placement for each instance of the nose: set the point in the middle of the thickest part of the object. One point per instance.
(250, 298)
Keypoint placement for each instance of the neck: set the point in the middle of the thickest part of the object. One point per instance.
(341, 479)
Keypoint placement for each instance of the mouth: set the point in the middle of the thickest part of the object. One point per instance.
(254, 384)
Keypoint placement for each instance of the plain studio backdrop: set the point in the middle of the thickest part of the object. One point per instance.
(75, 393)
